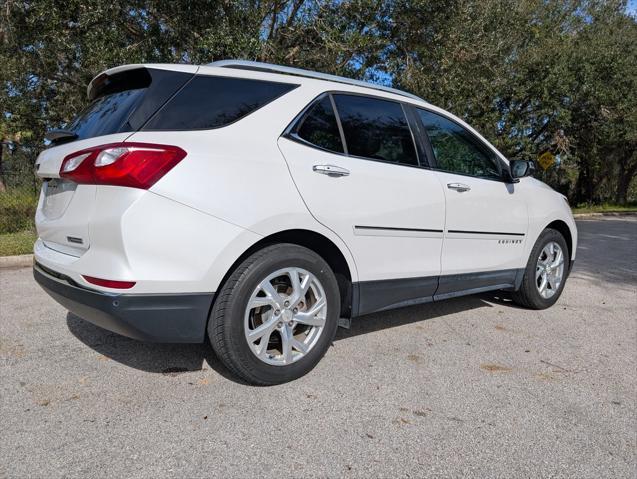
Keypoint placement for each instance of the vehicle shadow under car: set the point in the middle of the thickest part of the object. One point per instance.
(173, 359)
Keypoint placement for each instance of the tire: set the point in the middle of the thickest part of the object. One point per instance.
(231, 320)
(529, 295)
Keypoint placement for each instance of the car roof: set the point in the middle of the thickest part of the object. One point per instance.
(299, 72)
(271, 71)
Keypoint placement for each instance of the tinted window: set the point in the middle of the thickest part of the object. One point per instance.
(375, 129)
(212, 102)
(108, 114)
(319, 126)
(126, 100)
(456, 149)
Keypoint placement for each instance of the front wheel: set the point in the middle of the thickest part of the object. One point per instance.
(545, 272)
(276, 315)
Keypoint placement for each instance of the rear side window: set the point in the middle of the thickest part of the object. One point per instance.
(212, 102)
(126, 100)
(319, 126)
(376, 129)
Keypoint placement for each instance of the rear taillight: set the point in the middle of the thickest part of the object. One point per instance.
(137, 165)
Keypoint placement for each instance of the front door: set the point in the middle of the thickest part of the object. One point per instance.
(486, 218)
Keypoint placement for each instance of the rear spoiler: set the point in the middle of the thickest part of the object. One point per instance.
(97, 84)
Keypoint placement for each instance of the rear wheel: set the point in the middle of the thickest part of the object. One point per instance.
(545, 272)
(276, 315)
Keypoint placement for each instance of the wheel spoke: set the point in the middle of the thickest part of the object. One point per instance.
(286, 344)
(265, 328)
(299, 346)
(543, 284)
(260, 301)
(262, 347)
(299, 287)
(309, 317)
(559, 259)
(270, 292)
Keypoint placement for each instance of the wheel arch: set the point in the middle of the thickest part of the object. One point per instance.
(321, 245)
(563, 228)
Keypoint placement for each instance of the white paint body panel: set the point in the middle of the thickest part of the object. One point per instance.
(243, 182)
(374, 194)
(489, 206)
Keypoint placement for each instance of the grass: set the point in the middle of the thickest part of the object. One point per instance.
(606, 208)
(20, 242)
(17, 209)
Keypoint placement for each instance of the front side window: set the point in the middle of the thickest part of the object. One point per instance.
(212, 102)
(319, 126)
(376, 129)
(456, 150)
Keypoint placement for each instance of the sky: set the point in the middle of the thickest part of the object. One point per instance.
(632, 7)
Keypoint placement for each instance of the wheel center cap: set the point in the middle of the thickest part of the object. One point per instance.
(287, 315)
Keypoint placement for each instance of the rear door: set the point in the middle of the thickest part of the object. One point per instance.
(370, 189)
(486, 219)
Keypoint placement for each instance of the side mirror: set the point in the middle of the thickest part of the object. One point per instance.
(521, 168)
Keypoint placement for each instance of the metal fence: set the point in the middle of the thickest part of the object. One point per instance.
(19, 194)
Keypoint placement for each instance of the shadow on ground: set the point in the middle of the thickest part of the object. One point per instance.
(171, 359)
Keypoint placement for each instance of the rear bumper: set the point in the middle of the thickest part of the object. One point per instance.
(161, 318)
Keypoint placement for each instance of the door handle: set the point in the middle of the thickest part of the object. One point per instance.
(330, 170)
(459, 187)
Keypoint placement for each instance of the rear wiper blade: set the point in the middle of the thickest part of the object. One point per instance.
(60, 135)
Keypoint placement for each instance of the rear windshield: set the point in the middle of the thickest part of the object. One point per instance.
(151, 99)
(212, 102)
(126, 100)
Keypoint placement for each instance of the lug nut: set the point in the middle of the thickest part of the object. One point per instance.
(296, 310)
(279, 325)
(286, 304)
(290, 323)
(277, 312)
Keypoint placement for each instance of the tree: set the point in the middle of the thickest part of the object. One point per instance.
(531, 76)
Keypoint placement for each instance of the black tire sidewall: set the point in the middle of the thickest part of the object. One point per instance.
(531, 291)
(283, 256)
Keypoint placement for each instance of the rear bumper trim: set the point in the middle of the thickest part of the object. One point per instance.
(159, 318)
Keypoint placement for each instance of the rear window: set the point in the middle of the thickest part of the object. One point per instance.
(212, 102)
(376, 129)
(125, 101)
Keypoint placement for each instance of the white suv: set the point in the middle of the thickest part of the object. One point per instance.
(267, 205)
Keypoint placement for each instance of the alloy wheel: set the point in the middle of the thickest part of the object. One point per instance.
(285, 316)
(549, 270)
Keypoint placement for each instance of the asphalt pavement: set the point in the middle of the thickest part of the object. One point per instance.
(473, 387)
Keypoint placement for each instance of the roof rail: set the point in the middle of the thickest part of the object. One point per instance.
(269, 67)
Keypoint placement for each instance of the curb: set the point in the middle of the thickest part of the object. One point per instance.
(597, 215)
(21, 261)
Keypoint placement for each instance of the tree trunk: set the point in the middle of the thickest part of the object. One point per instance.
(624, 179)
(2, 187)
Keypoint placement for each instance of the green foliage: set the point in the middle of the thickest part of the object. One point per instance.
(530, 75)
(17, 209)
